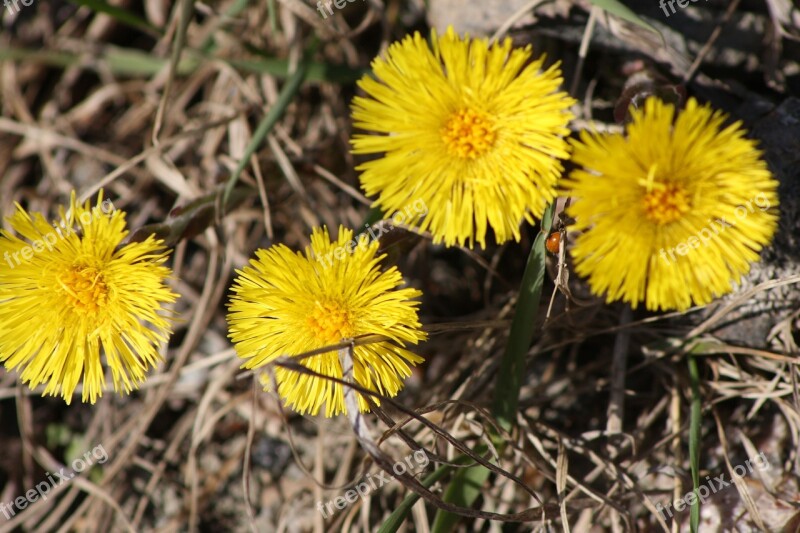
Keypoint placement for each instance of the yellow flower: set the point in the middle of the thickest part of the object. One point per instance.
(68, 294)
(287, 304)
(473, 131)
(674, 212)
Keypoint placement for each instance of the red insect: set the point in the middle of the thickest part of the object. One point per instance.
(553, 242)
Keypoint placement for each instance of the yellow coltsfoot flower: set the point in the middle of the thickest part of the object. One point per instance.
(69, 295)
(674, 211)
(287, 303)
(475, 131)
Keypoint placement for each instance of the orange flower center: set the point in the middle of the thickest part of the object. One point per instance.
(469, 134)
(666, 204)
(84, 288)
(331, 322)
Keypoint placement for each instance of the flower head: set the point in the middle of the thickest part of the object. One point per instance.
(69, 294)
(286, 303)
(672, 213)
(474, 131)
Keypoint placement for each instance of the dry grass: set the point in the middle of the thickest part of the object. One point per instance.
(89, 101)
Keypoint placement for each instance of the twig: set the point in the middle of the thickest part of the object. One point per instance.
(711, 40)
(587, 36)
(618, 369)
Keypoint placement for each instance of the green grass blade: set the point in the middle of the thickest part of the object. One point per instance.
(270, 119)
(120, 61)
(396, 519)
(137, 63)
(512, 366)
(44, 57)
(273, 17)
(624, 12)
(374, 215)
(463, 490)
(122, 16)
(467, 484)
